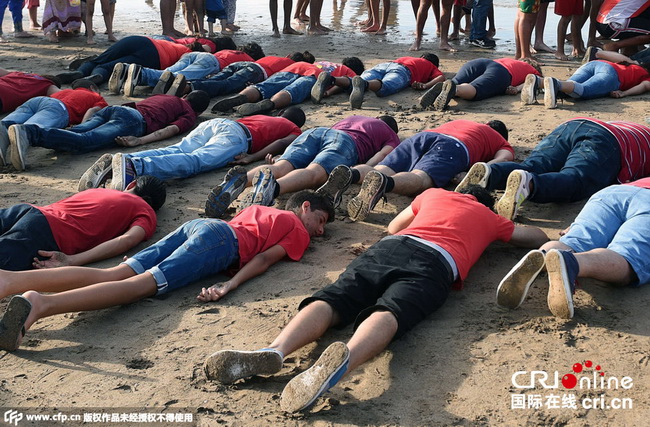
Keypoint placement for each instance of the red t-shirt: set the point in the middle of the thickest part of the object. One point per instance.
(201, 40)
(273, 64)
(78, 101)
(94, 216)
(481, 140)
(307, 69)
(168, 52)
(422, 70)
(369, 135)
(458, 224)
(258, 228)
(17, 88)
(643, 183)
(266, 129)
(518, 70)
(629, 75)
(303, 69)
(634, 141)
(160, 111)
(227, 57)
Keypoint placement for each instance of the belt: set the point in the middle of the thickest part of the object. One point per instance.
(249, 137)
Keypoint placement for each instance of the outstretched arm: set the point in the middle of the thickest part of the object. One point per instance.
(276, 147)
(642, 87)
(110, 248)
(427, 85)
(89, 113)
(502, 156)
(258, 265)
(159, 135)
(401, 221)
(380, 155)
(528, 236)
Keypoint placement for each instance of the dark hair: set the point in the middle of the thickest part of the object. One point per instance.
(152, 190)
(294, 115)
(645, 65)
(199, 100)
(253, 50)
(222, 43)
(86, 84)
(54, 79)
(483, 196)
(302, 57)
(317, 202)
(500, 127)
(432, 58)
(354, 64)
(195, 47)
(390, 121)
(533, 64)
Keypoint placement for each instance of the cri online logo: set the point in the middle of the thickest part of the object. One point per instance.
(597, 379)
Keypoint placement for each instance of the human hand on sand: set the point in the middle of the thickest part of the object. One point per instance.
(215, 292)
(54, 259)
(128, 141)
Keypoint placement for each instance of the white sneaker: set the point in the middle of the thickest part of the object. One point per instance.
(513, 289)
(517, 190)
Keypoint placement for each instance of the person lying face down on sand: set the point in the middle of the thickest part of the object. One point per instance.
(384, 292)
(252, 241)
(608, 241)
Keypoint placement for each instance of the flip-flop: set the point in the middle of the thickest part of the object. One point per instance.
(12, 325)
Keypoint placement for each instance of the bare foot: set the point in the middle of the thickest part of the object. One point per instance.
(561, 56)
(324, 28)
(3, 39)
(447, 47)
(380, 32)
(23, 35)
(276, 34)
(290, 31)
(370, 29)
(90, 40)
(174, 33)
(227, 32)
(578, 53)
(233, 27)
(112, 38)
(304, 17)
(316, 32)
(542, 47)
(52, 38)
(35, 26)
(415, 46)
(453, 36)
(363, 23)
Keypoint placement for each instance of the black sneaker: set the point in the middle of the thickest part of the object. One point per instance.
(484, 43)
(430, 95)
(447, 93)
(339, 180)
(323, 81)
(75, 64)
(229, 103)
(116, 80)
(372, 190)
(164, 83)
(551, 89)
(224, 194)
(251, 108)
(178, 86)
(358, 90)
(132, 79)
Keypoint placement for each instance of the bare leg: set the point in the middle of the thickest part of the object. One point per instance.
(278, 169)
(299, 179)
(412, 183)
(288, 4)
(465, 91)
(561, 34)
(445, 19)
(576, 36)
(108, 10)
(167, 12)
(371, 337)
(33, 18)
(315, 27)
(273, 8)
(90, 11)
(540, 25)
(281, 99)
(420, 20)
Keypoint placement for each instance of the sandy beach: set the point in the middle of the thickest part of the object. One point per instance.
(455, 368)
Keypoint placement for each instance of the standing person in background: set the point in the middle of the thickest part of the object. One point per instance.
(315, 27)
(108, 11)
(231, 9)
(301, 8)
(167, 13)
(194, 16)
(524, 23)
(60, 17)
(273, 7)
(16, 9)
(32, 7)
(569, 10)
(479, 36)
(540, 23)
(373, 25)
(445, 20)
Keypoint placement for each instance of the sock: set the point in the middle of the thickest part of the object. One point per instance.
(356, 176)
(276, 190)
(390, 184)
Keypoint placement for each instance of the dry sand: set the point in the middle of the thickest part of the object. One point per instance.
(453, 369)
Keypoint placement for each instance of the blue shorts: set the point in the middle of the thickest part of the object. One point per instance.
(326, 147)
(616, 218)
(439, 156)
(197, 249)
(488, 77)
(393, 76)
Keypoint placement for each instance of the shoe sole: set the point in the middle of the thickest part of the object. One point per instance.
(132, 77)
(550, 97)
(256, 196)
(178, 86)
(513, 289)
(12, 325)
(430, 96)
(18, 157)
(115, 81)
(476, 175)
(528, 92)
(448, 92)
(229, 366)
(559, 298)
(337, 183)
(164, 83)
(97, 173)
(219, 201)
(251, 108)
(507, 205)
(118, 165)
(305, 388)
(356, 96)
(228, 104)
(359, 207)
(4, 144)
(318, 89)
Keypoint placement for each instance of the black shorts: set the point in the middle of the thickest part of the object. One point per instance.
(396, 274)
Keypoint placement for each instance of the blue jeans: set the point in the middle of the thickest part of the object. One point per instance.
(16, 9)
(24, 231)
(616, 218)
(193, 65)
(479, 19)
(130, 50)
(595, 79)
(393, 76)
(98, 132)
(197, 249)
(577, 159)
(232, 79)
(213, 144)
(43, 111)
(324, 146)
(298, 87)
